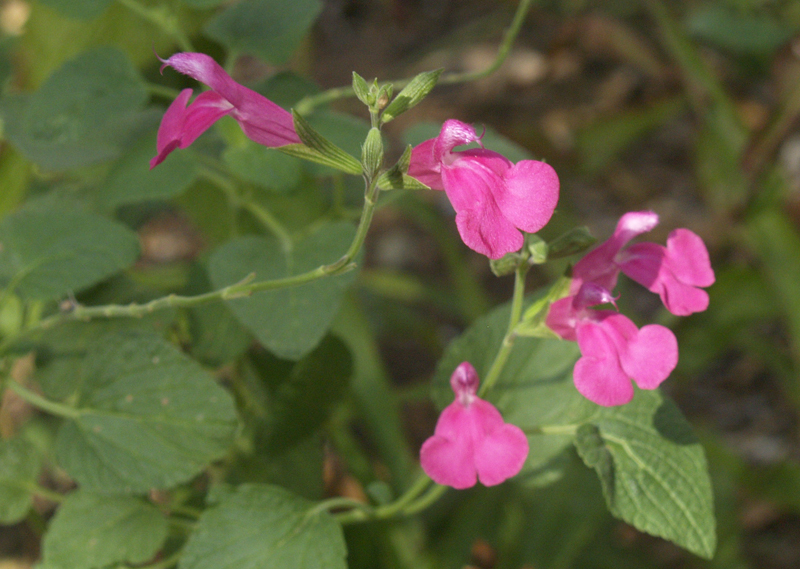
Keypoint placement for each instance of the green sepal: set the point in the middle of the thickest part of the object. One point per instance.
(574, 241)
(537, 249)
(317, 148)
(396, 178)
(411, 95)
(532, 323)
(506, 264)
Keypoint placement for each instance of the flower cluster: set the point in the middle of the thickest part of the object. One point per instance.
(494, 199)
(613, 350)
(471, 441)
(261, 120)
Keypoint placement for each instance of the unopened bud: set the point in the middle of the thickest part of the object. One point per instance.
(372, 152)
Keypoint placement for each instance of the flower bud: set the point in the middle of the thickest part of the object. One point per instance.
(372, 152)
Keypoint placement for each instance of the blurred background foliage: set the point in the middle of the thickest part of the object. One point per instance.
(688, 107)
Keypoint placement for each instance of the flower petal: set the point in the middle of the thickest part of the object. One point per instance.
(454, 133)
(562, 318)
(529, 196)
(651, 356)
(182, 125)
(501, 452)
(598, 375)
(262, 120)
(448, 456)
(599, 266)
(688, 258)
(653, 266)
(424, 167)
(488, 232)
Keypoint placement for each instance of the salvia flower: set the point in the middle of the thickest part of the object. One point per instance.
(493, 198)
(261, 120)
(613, 350)
(471, 442)
(674, 272)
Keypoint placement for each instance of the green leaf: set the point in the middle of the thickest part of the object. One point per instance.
(535, 389)
(83, 9)
(653, 470)
(132, 181)
(61, 351)
(264, 166)
(147, 417)
(270, 29)
(411, 95)
(19, 466)
(289, 322)
(49, 253)
(84, 113)
(302, 403)
(94, 531)
(264, 526)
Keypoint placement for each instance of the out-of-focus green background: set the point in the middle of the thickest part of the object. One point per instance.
(685, 107)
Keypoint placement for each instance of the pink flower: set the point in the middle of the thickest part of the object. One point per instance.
(494, 199)
(261, 120)
(673, 272)
(471, 441)
(613, 350)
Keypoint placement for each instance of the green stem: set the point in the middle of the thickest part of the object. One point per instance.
(159, 16)
(389, 510)
(422, 503)
(508, 340)
(244, 288)
(338, 502)
(41, 403)
(309, 103)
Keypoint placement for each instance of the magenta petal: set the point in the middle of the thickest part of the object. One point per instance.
(598, 375)
(651, 356)
(654, 267)
(688, 258)
(501, 453)
(682, 299)
(204, 111)
(600, 266)
(262, 120)
(171, 128)
(448, 462)
(488, 232)
(645, 263)
(529, 196)
(562, 318)
(424, 167)
(454, 133)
